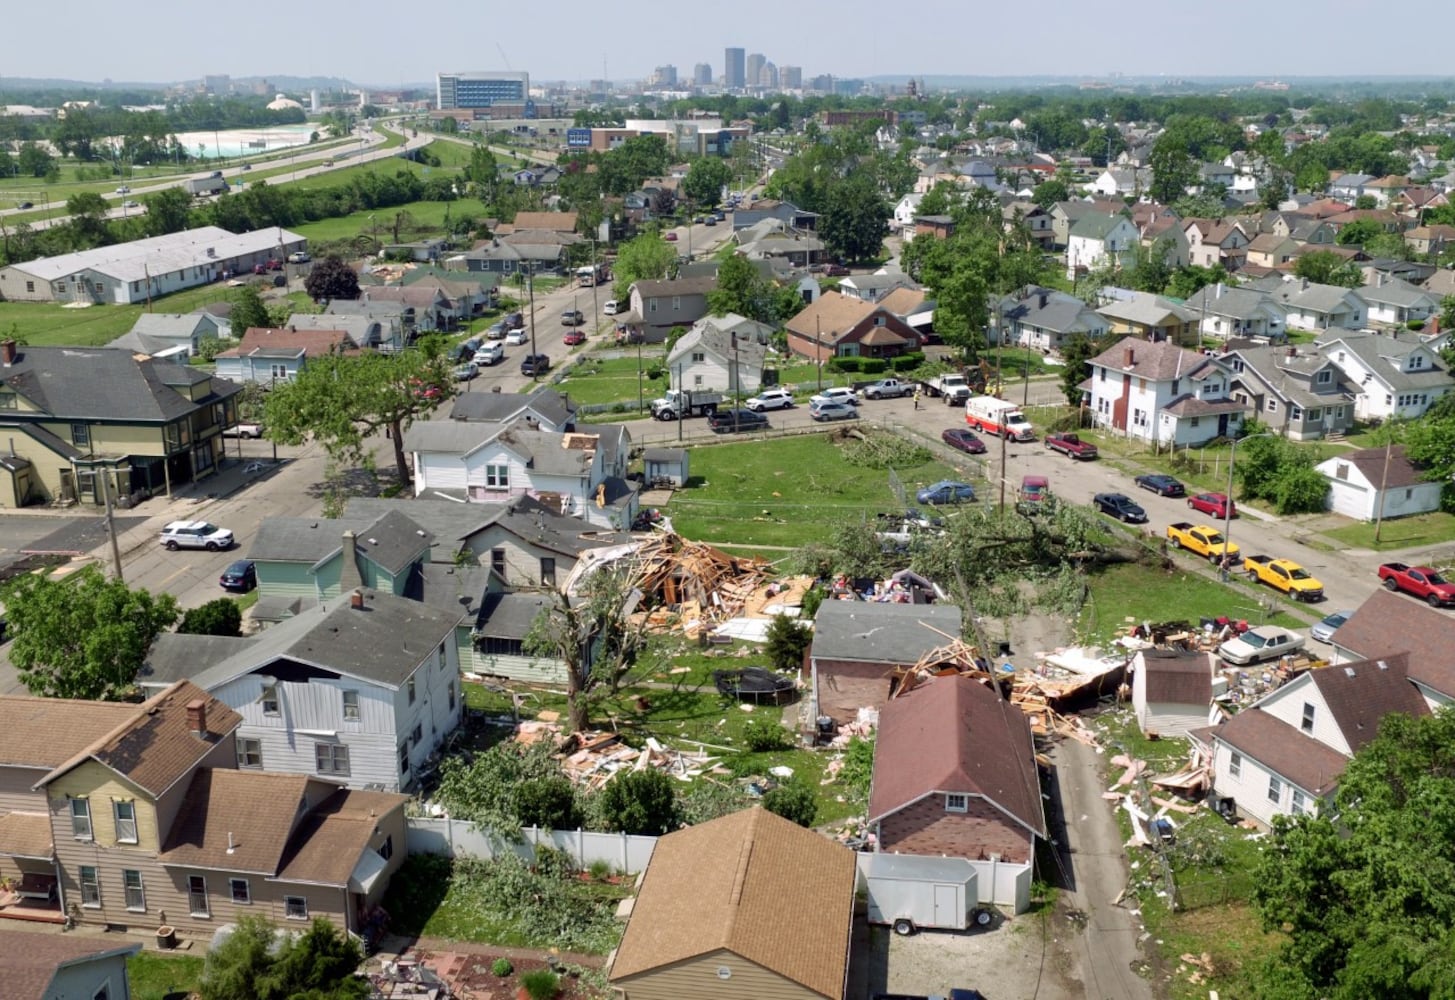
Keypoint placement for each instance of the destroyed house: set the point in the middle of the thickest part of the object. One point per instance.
(858, 645)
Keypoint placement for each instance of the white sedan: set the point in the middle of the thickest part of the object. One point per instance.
(1266, 642)
(517, 337)
(610, 308)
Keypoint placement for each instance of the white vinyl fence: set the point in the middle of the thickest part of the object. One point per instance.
(999, 882)
(456, 838)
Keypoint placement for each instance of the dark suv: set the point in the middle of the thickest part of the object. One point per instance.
(727, 421)
(535, 364)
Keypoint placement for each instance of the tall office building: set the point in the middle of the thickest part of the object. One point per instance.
(664, 76)
(768, 76)
(752, 77)
(480, 90)
(702, 74)
(790, 77)
(732, 69)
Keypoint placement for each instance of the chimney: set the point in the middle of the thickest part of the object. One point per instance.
(1129, 358)
(231, 844)
(1044, 298)
(197, 717)
(7, 352)
(349, 576)
(1218, 291)
(1292, 351)
(356, 600)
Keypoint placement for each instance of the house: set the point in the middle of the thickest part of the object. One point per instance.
(658, 307)
(1098, 240)
(358, 690)
(1394, 375)
(720, 354)
(1043, 319)
(58, 967)
(88, 424)
(1397, 302)
(1212, 176)
(709, 918)
(1297, 393)
(791, 215)
(490, 463)
(1161, 393)
(1309, 305)
(555, 222)
(1389, 623)
(167, 335)
(1387, 190)
(905, 211)
(1271, 250)
(839, 325)
(499, 630)
(941, 227)
(427, 305)
(857, 645)
(1171, 691)
(267, 355)
(1382, 269)
(1121, 182)
(1426, 240)
(129, 273)
(383, 326)
(1441, 283)
(1373, 483)
(1148, 317)
(1284, 754)
(1163, 234)
(1348, 187)
(1065, 214)
(155, 824)
(1033, 219)
(499, 257)
(875, 287)
(776, 241)
(543, 406)
(955, 776)
(1211, 243)
(1229, 311)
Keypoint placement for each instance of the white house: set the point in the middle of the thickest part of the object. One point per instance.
(721, 354)
(1161, 393)
(1367, 484)
(1392, 623)
(1283, 755)
(1312, 306)
(1393, 375)
(1391, 300)
(1121, 182)
(1228, 312)
(1043, 319)
(1171, 691)
(359, 689)
(905, 212)
(1096, 240)
(490, 463)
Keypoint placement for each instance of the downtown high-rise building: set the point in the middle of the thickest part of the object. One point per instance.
(733, 77)
(664, 76)
(790, 77)
(753, 74)
(768, 76)
(702, 74)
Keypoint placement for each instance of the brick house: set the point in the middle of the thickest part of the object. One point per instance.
(955, 775)
(840, 325)
(857, 645)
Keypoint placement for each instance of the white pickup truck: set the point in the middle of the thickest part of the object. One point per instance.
(243, 429)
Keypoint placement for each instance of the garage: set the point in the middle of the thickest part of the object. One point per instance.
(909, 892)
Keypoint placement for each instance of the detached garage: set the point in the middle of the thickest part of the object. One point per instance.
(1360, 482)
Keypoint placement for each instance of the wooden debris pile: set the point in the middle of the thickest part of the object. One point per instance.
(694, 584)
(1192, 778)
(593, 757)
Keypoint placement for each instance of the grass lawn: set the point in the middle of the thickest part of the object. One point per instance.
(155, 976)
(46, 324)
(597, 380)
(428, 216)
(786, 492)
(1397, 533)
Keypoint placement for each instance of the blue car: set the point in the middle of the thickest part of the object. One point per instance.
(946, 491)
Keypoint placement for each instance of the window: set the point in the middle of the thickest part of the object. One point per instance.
(548, 572)
(103, 992)
(442, 658)
(278, 373)
(90, 887)
(131, 882)
(30, 286)
(1324, 377)
(404, 758)
(1295, 413)
(409, 686)
(249, 752)
(351, 706)
(497, 562)
(1300, 803)
(1317, 413)
(1194, 421)
(386, 849)
(1235, 765)
(418, 734)
(331, 758)
(197, 896)
(1272, 405)
(957, 803)
(242, 893)
(295, 907)
(651, 305)
(1308, 718)
(81, 819)
(80, 435)
(697, 381)
(8, 400)
(676, 302)
(497, 477)
(270, 699)
(125, 815)
(698, 357)
(1417, 361)
(1275, 789)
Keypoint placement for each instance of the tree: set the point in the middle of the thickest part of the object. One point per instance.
(248, 311)
(258, 962)
(1356, 233)
(1366, 201)
(786, 641)
(331, 279)
(793, 801)
(705, 180)
(1358, 893)
(1275, 469)
(83, 636)
(219, 617)
(34, 161)
(1328, 268)
(643, 803)
(168, 211)
(88, 219)
(1173, 169)
(648, 257)
(341, 400)
(854, 219)
(1077, 352)
(505, 788)
(548, 803)
(743, 290)
(1047, 193)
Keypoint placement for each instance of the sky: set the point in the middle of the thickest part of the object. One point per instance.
(388, 44)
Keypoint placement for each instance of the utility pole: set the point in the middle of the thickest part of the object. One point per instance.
(530, 283)
(1383, 483)
(1002, 474)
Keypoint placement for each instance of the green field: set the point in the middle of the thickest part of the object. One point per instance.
(156, 977)
(45, 324)
(428, 217)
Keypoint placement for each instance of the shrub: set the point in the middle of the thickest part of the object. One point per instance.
(873, 366)
(763, 736)
(793, 801)
(548, 802)
(540, 984)
(501, 967)
(1416, 324)
(907, 362)
(218, 617)
(785, 642)
(847, 364)
(639, 802)
(554, 863)
(599, 870)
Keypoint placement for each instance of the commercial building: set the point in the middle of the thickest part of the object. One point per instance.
(702, 74)
(482, 90)
(733, 69)
(790, 77)
(753, 71)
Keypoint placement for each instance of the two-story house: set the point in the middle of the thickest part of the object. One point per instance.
(384, 326)
(491, 463)
(658, 307)
(91, 423)
(1121, 182)
(1148, 317)
(1388, 623)
(1162, 393)
(1299, 394)
(1392, 375)
(269, 355)
(155, 827)
(1348, 187)
(543, 407)
(874, 287)
(842, 326)
(1043, 319)
(1397, 302)
(1228, 311)
(432, 308)
(905, 211)
(1212, 243)
(357, 690)
(1269, 250)
(721, 354)
(1033, 219)
(1098, 240)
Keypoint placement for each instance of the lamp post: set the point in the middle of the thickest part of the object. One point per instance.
(1228, 507)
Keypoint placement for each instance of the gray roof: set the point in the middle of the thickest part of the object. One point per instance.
(176, 656)
(1095, 225)
(383, 642)
(1396, 292)
(1147, 309)
(1291, 376)
(499, 407)
(524, 517)
(1061, 313)
(1383, 355)
(108, 384)
(865, 282)
(393, 542)
(904, 868)
(157, 255)
(1238, 303)
(301, 539)
(1314, 297)
(882, 633)
(451, 437)
(680, 286)
(171, 326)
(458, 589)
(509, 616)
(748, 351)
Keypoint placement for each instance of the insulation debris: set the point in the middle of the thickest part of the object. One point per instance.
(592, 758)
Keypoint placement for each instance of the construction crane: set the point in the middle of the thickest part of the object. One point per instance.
(505, 57)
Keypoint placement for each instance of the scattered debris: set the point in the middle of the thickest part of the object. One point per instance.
(592, 758)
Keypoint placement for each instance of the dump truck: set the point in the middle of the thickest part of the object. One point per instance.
(952, 386)
(676, 404)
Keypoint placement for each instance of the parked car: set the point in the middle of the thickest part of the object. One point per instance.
(496, 331)
(840, 394)
(535, 364)
(963, 440)
(770, 399)
(25, 204)
(1266, 642)
(573, 317)
(1162, 485)
(832, 409)
(241, 576)
(670, 236)
(195, 535)
(946, 491)
(129, 203)
(1071, 446)
(243, 429)
(517, 337)
(1423, 582)
(1121, 507)
(574, 337)
(123, 190)
(514, 321)
(299, 257)
(728, 421)
(611, 308)
(836, 270)
(1325, 629)
(1215, 504)
(489, 354)
(466, 371)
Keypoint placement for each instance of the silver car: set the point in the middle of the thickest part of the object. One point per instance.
(1324, 630)
(832, 409)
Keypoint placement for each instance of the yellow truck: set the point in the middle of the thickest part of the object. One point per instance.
(1285, 575)
(1201, 539)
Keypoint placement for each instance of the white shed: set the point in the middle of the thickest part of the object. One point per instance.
(911, 892)
(1171, 691)
(1358, 480)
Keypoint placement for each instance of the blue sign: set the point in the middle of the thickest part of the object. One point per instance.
(578, 137)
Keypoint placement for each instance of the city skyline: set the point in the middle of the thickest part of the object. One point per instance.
(372, 45)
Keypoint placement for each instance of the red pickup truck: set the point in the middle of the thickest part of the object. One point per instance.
(1071, 446)
(1421, 581)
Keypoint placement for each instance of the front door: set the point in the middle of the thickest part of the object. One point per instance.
(1222, 425)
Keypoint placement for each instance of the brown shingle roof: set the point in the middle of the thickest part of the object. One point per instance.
(1158, 361)
(903, 301)
(834, 314)
(1179, 679)
(1387, 624)
(1360, 694)
(327, 844)
(560, 222)
(26, 835)
(313, 343)
(754, 884)
(956, 735)
(155, 747)
(1370, 463)
(252, 811)
(1283, 750)
(47, 732)
(31, 960)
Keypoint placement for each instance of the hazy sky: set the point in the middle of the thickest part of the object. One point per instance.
(385, 44)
